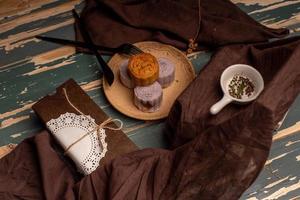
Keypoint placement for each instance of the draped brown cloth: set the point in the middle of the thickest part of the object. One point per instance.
(214, 157)
(211, 23)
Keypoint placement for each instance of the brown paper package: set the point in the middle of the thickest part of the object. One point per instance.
(214, 157)
(52, 106)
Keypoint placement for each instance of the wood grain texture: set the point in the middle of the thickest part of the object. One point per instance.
(41, 14)
(17, 7)
(6, 149)
(31, 69)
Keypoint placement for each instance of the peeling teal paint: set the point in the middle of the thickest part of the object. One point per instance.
(13, 94)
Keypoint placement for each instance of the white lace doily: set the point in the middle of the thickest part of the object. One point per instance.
(88, 152)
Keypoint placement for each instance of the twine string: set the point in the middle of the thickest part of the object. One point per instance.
(103, 125)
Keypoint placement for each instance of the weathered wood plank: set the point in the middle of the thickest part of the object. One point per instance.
(22, 38)
(4, 150)
(255, 2)
(38, 15)
(280, 173)
(30, 69)
(16, 7)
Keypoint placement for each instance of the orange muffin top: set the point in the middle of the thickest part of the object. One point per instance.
(143, 68)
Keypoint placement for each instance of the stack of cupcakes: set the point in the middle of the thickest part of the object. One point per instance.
(147, 76)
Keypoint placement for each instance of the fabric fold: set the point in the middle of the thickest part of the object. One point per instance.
(210, 23)
(34, 170)
(270, 59)
(214, 157)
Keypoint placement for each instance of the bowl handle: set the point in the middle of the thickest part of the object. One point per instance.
(217, 107)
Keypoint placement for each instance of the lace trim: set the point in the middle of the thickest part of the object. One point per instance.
(88, 154)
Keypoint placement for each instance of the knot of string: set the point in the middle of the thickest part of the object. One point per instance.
(97, 127)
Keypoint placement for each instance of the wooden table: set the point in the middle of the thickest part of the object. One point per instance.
(30, 69)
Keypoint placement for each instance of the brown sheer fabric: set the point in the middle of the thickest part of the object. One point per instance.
(270, 59)
(216, 157)
(36, 170)
(174, 22)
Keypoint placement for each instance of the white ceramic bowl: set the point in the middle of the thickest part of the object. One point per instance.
(227, 75)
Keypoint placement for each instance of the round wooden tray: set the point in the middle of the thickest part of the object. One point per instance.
(122, 98)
